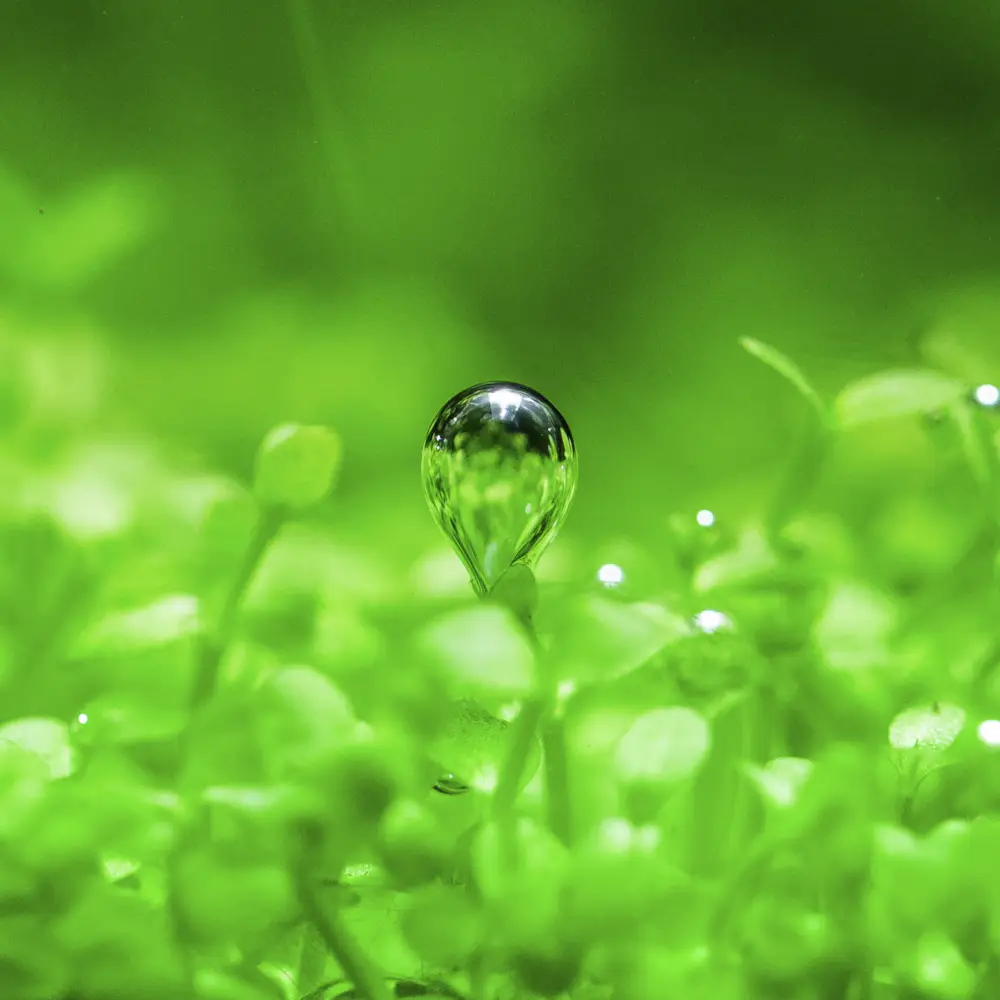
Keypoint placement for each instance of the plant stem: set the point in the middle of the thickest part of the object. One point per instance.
(799, 478)
(214, 644)
(522, 735)
(340, 942)
(557, 797)
(208, 659)
(312, 961)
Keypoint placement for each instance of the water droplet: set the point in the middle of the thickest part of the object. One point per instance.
(705, 518)
(989, 732)
(711, 621)
(448, 784)
(499, 472)
(83, 718)
(611, 575)
(987, 395)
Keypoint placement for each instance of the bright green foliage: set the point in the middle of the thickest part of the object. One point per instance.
(480, 652)
(760, 762)
(296, 466)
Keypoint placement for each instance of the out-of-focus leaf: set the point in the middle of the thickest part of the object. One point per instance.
(787, 369)
(856, 626)
(80, 236)
(300, 716)
(166, 620)
(666, 744)
(751, 561)
(480, 652)
(47, 738)
(902, 393)
(779, 780)
(594, 638)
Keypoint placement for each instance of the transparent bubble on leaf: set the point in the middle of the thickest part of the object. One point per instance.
(448, 784)
(499, 473)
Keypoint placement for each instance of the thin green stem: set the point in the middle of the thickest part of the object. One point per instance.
(558, 806)
(799, 478)
(312, 961)
(214, 644)
(329, 926)
(208, 660)
(523, 732)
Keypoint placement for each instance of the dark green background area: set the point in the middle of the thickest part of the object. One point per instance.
(346, 211)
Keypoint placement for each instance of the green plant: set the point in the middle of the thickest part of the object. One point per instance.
(765, 767)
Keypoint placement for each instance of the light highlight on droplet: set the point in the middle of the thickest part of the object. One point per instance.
(712, 621)
(611, 575)
(989, 732)
(987, 395)
(706, 518)
(83, 718)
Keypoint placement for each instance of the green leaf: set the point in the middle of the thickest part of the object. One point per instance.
(940, 970)
(664, 745)
(296, 466)
(855, 627)
(752, 561)
(82, 235)
(479, 652)
(48, 739)
(787, 369)
(442, 925)
(598, 638)
(898, 393)
(166, 620)
(935, 727)
(300, 717)
(779, 780)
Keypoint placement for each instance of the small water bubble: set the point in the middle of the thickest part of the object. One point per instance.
(989, 732)
(83, 718)
(448, 784)
(711, 621)
(499, 473)
(611, 575)
(987, 395)
(705, 518)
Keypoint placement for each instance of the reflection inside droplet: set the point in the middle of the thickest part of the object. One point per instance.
(987, 395)
(499, 472)
(989, 732)
(705, 518)
(611, 575)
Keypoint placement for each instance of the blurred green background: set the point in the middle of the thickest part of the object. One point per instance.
(217, 217)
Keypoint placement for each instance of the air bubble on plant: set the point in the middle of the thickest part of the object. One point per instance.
(711, 621)
(987, 395)
(705, 518)
(499, 472)
(448, 784)
(989, 732)
(611, 575)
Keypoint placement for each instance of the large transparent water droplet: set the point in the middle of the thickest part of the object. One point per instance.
(499, 471)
